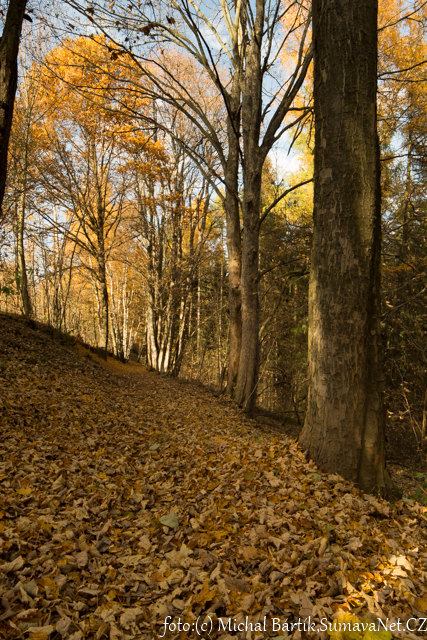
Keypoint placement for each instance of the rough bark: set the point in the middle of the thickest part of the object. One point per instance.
(344, 425)
(9, 47)
(253, 162)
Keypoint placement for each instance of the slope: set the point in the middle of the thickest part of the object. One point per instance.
(126, 497)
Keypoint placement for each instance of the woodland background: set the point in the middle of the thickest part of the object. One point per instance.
(113, 231)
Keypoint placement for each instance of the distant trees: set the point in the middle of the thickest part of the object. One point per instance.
(403, 137)
(125, 211)
(83, 167)
(238, 72)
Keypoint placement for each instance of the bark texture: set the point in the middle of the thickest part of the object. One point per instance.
(344, 426)
(9, 47)
(253, 161)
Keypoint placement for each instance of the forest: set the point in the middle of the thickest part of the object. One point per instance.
(159, 199)
(213, 337)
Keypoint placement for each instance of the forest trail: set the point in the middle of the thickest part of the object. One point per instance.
(126, 497)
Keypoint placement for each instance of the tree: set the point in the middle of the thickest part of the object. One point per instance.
(83, 169)
(344, 425)
(9, 47)
(22, 173)
(243, 70)
(170, 205)
(403, 137)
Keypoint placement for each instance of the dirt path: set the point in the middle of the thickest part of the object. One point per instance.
(126, 497)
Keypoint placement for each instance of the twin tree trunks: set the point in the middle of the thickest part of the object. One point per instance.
(344, 425)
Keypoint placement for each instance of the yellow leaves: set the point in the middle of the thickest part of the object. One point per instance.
(205, 595)
(41, 633)
(348, 627)
(231, 457)
(24, 491)
(50, 587)
(421, 603)
(219, 534)
(204, 539)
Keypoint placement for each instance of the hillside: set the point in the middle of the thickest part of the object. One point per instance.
(127, 497)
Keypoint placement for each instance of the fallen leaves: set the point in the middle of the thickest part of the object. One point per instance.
(170, 520)
(219, 520)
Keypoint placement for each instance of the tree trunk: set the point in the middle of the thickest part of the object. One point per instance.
(103, 304)
(253, 161)
(9, 47)
(344, 425)
(151, 333)
(247, 380)
(234, 249)
(23, 285)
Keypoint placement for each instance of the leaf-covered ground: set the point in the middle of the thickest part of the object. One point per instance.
(126, 497)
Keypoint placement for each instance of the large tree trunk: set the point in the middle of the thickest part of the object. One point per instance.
(344, 426)
(247, 379)
(9, 47)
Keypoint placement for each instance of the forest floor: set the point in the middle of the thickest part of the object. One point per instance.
(127, 497)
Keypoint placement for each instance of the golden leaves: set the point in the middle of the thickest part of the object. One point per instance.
(107, 545)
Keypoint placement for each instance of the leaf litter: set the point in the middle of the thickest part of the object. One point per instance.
(127, 497)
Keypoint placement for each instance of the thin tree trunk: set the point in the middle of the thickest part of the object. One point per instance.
(220, 321)
(198, 318)
(344, 426)
(234, 248)
(152, 348)
(102, 277)
(25, 295)
(103, 304)
(9, 47)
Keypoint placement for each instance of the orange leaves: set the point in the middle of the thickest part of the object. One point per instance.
(107, 545)
(24, 491)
